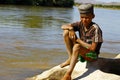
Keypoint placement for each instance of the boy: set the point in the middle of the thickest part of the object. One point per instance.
(86, 47)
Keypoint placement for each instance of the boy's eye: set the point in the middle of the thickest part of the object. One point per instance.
(85, 17)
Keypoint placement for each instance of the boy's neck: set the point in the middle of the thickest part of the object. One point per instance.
(87, 27)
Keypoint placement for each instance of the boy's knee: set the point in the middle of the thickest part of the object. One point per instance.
(65, 33)
(76, 47)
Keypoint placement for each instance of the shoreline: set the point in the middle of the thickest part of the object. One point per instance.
(107, 55)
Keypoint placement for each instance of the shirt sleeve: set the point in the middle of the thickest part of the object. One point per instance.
(75, 26)
(97, 34)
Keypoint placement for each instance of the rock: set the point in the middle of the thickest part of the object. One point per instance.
(118, 56)
(106, 65)
(103, 68)
(55, 73)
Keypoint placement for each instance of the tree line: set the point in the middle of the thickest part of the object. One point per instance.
(57, 3)
(108, 6)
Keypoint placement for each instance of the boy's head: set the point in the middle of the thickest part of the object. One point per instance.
(86, 13)
(86, 9)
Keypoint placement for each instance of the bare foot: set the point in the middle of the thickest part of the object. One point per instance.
(66, 77)
(66, 63)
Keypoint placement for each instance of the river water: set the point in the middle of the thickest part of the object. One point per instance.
(31, 38)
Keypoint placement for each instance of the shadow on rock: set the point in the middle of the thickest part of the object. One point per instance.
(104, 64)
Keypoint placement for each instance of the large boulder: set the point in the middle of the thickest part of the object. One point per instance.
(103, 68)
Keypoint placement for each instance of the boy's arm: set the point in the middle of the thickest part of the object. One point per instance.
(72, 33)
(67, 27)
(91, 47)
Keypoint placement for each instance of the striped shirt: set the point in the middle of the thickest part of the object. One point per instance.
(93, 34)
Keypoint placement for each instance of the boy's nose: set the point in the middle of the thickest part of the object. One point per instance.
(84, 19)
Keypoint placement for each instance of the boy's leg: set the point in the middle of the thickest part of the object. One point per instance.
(77, 49)
(74, 58)
(69, 45)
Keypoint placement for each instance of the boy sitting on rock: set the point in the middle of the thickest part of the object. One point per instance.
(87, 46)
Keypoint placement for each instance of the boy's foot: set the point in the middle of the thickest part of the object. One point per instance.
(66, 63)
(66, 77)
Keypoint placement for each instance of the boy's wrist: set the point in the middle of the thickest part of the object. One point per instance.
(78, 40)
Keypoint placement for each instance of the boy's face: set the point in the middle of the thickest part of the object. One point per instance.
(86, 19)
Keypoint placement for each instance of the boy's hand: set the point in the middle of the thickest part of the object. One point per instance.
(72, 35)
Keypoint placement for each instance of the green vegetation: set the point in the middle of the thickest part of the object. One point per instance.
(108, 6)
(57, 3)
(103, 6)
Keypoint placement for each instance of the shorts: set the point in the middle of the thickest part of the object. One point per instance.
(91, 54)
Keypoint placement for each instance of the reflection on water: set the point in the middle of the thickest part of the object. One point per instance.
(31, 38)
